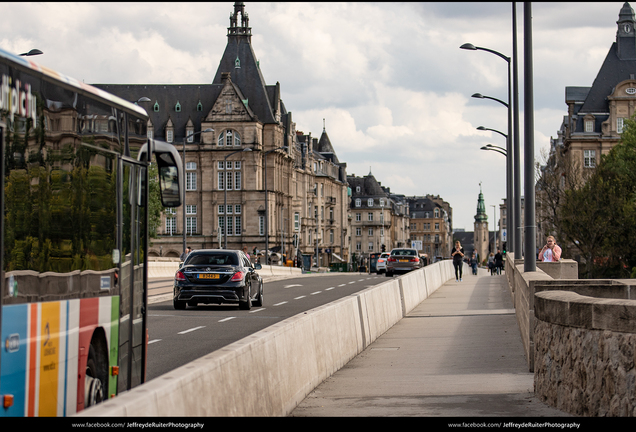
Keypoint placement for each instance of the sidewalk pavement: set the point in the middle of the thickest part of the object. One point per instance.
(457, 354)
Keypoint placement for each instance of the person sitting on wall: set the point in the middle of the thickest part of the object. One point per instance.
(551, 252)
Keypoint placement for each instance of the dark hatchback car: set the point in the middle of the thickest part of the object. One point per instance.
(215, 276)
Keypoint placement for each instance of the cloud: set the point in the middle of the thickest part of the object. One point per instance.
(388, 78)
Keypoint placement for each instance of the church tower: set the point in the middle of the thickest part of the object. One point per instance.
(480, 239)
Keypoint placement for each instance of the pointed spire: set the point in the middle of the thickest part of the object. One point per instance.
(239, 28)
(481, 207)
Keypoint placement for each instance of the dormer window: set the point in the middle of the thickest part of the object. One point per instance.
(237, 63)
(199, 106)
(589, 126)
(156, 107)
(177, 107)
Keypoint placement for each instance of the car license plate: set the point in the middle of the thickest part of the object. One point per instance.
(404, 260)
(208, 276)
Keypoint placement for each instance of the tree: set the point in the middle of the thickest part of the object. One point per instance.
(600, 217)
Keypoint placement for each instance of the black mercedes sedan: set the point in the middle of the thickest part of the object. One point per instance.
(215, 276)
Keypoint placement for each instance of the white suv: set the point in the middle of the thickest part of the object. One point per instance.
(381, 264)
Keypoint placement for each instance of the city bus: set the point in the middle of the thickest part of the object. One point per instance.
(74, 236)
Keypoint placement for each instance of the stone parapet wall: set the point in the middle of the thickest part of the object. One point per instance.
(585, 352)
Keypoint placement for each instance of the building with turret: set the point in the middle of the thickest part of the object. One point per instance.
(254, 181)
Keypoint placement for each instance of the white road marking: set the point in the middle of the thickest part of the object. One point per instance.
(281, 303)
(153, 341)
(352, 282)
(191, 330)
(329, 289)
(227, 319)
(342, 285)
(317, 292)
(257, 310)
(298, 298)
(291, 286)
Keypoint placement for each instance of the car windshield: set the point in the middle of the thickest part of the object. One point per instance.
(213, 259)
(404, 252)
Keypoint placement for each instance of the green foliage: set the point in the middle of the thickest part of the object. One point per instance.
(600, 217)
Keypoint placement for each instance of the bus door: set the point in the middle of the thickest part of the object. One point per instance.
(133, 223)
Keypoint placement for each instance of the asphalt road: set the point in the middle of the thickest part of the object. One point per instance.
(179, 337)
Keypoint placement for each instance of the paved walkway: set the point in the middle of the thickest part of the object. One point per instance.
(457, 354)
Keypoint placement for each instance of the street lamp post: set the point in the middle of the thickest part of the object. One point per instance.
(184, 188)
(266, 203)
(509, 146)
(225, 196)
(509, 178)
(494, 228)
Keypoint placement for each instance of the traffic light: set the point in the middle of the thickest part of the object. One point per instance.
(383, 248)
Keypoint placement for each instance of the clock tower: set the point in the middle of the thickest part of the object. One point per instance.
(625, 35)
(480, 235)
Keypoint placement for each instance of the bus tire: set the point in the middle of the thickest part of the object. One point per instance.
(95, 380)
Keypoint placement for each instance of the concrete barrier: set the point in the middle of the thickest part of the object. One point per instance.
(270, 372)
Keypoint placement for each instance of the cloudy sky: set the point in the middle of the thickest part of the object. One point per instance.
(388, 78)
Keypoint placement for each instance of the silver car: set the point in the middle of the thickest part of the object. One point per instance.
(381, 265)
(402, 260)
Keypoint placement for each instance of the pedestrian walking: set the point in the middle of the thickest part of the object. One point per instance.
(551, 252)
(458, 255)
(491, 263)
(499, 261)
(474, 263)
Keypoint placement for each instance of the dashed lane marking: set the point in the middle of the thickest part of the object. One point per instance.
(191, 330)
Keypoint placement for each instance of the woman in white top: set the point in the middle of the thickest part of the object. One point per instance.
(551, 252)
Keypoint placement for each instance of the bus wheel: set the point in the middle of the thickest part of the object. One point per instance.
(93, 385)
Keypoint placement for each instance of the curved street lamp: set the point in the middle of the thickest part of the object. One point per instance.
(33, 52)
(512, 164)
(184, 177)
(481, 96)
(497, 149)
(225, 196)
(481, 128)
(509, 163)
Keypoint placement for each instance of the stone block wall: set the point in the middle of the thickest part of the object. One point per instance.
(585, 352)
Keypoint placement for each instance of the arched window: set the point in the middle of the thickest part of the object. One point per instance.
(229, 138)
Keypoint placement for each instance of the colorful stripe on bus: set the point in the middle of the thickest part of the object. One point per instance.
(45, 346)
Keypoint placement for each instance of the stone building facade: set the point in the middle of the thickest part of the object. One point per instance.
(254, 181)
(430, 226)
(596, 114)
